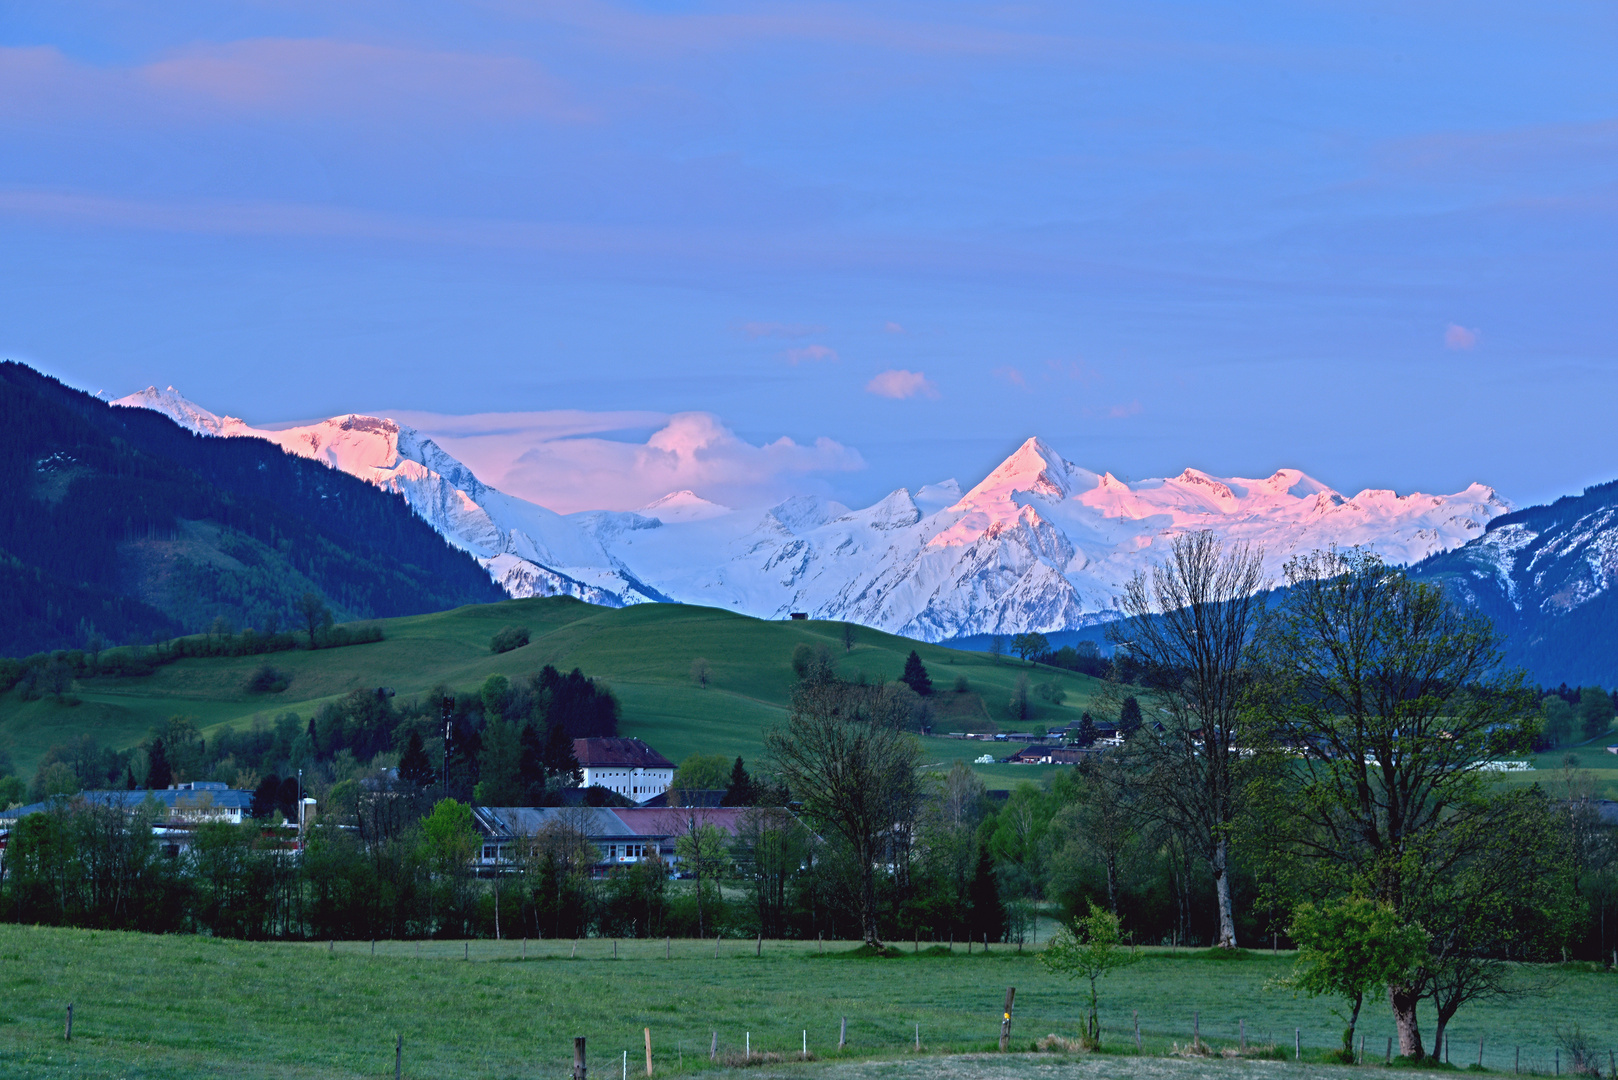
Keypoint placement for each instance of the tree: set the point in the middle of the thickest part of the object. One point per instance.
(997, 647)
(415, 768)
(915, 675)
(1102, 824)
(701, 672)
(1129, 718)
(1351, 947)
(500, 766)
(495, 694)
(561, 766)
(1017, 707)
(1030, 645)
(511, 637)
(988, 911)
(848, 637)
(1087, 731)
(1389, 694)
(1088, 948)
(704, 850)
(158, 773)
(702, 772)
(740, 791)
(313, 612)
(844, 755)
(1192, 626)
(1595, 711)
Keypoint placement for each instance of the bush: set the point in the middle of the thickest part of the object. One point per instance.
(267, 680)
(512, 637)
(962, 685)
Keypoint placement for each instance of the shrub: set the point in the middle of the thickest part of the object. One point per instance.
(512, 637)
(267, 680)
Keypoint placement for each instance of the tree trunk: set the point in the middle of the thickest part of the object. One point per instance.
(1112, 884)
(1227, 919)
(1404, 999)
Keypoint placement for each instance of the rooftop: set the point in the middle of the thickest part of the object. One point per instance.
(625, 753)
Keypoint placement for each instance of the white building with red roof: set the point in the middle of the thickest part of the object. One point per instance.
(626, 766)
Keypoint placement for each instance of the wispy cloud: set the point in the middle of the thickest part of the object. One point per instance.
(1460, 337)
(900, 384)
(324, 77)
(892, 328)
(756, 330)
(811, 354)
(1118, 412)
(1012, 375)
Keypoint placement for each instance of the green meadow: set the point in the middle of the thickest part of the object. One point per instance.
(645, 653)
(185, 1006)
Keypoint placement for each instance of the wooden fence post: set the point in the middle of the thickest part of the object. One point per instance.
(1362, 1048)
(842, 1034)
(1005, 1019)
(68, 1034)
(579, 1069)
(918, 1036)
(1196, 1031)
(713, 1047)
(668, 948)
(1480, 1051)
(1389, 1059)
(1241, 1027)
(466, 950)
(648, 1051)
(805, 1054)
(716, 946)
(1297, 1044)
(398, 1056)
(373, 948)
(1137, 1030)
(758, 950)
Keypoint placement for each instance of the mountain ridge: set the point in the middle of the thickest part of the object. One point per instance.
(1039, 544)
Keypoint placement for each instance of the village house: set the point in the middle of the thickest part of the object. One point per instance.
(626, 766)
(619, 835)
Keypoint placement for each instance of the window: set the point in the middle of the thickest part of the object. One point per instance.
(489, 852)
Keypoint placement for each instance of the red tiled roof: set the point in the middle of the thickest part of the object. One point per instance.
(625, 753)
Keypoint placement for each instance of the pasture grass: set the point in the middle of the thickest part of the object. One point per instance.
(644, 652)
(171, 1006)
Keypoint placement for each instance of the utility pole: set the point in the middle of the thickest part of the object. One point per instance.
(448, 707)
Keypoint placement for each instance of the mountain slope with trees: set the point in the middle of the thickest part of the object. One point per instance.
(117, 525)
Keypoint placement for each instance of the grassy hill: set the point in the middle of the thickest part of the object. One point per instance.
(645, 653)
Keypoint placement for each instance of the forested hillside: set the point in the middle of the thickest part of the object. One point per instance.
(117, 525)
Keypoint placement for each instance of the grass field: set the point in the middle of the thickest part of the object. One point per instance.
(188, 1006)
(644, 652)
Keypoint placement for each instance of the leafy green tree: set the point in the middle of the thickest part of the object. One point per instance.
(1595, 711)
(1351, 947)
(702, 772)
(987, 911)
(703, 850)
(1089, 948)
(701, 672)
(495, 695)
(512, 637)
(1392, 694)
(1017, 707)
(1559, 721)
(54, 778)
(915, 675)
(11, 791)
(500, 766)
(1030, 645)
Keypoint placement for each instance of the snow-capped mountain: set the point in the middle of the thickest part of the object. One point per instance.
(1039, 544)
(1545, 575)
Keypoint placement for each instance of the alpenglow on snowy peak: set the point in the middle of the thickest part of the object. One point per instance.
(1039, 544)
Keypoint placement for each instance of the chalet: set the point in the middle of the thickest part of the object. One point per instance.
(626, 766)
(179, 809)
(1052, 755)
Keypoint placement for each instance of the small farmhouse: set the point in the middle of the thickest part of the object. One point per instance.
(626, 766)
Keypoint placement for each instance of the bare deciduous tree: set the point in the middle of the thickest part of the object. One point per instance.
(1192, 624)
(844, 754)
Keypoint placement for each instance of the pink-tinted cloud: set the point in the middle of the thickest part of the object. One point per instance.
(892, 328)
(1011, 375)
(1118, 412)
(900, 384)
(811, 354)
(692, 451)
(296, 76)
(1459, 337)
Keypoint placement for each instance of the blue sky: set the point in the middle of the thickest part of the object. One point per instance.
(1372, 241)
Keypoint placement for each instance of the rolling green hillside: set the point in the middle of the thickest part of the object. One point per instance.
(645, 653)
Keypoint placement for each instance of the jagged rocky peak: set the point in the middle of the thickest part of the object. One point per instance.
(1033, 467)
(174, 405)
